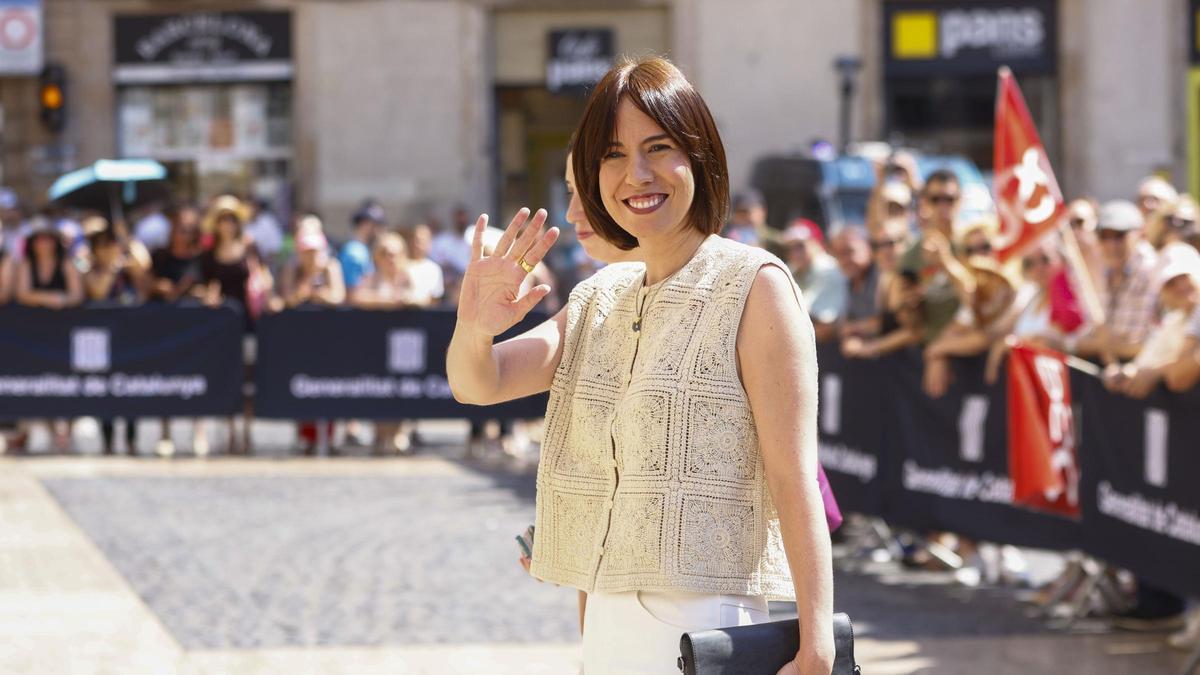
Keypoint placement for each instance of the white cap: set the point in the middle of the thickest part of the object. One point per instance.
(1178, 259)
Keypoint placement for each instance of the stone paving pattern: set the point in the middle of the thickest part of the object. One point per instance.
(241, 562)
(409, 565)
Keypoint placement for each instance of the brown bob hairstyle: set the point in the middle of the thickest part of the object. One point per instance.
(659, 90)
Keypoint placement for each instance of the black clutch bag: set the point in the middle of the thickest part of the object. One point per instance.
(761, 648)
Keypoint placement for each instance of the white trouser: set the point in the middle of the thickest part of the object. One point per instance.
(639, 631)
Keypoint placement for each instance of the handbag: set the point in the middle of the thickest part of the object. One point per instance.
(833, 513)
(761, 648)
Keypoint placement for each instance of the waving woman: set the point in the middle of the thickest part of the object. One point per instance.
(678, 477)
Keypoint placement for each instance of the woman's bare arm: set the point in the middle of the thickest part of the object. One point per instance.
(778, 360)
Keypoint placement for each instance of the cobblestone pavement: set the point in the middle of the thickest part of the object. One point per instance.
(270, 561)
(363, 566)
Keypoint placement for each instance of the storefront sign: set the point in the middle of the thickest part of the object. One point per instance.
(20, 37)
(203, 46)
(938, 38)
(578, 58)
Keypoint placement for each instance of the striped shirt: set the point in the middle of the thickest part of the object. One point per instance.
(1131, 301)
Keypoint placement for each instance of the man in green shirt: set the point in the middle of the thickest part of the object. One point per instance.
(924, 261)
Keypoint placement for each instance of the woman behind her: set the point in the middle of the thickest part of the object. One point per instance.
(599, 249)
(680, 457)
(46, 278)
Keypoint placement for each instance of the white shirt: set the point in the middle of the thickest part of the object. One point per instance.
(267, 234)
(426, 278)
(153, 230)
(450, 251)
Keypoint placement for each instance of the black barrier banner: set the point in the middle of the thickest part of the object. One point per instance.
(951, 470)
(320, 363)
(152, 360)
(852, 447)
(1141, 465)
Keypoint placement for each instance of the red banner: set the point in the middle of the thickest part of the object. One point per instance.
(1028, 199)
(1042, 458)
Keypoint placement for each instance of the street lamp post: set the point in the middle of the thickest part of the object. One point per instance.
(847, 67)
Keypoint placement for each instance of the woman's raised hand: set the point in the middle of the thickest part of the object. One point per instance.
(490, 302)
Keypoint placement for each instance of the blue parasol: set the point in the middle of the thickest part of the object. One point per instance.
(111, 185)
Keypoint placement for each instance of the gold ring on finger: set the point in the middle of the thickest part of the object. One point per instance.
(525, 265)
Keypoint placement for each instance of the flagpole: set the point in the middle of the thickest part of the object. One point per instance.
(1087, 285)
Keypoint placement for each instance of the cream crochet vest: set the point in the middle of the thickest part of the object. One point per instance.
(651, 475)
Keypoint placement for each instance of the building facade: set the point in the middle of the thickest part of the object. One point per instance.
(423, 104)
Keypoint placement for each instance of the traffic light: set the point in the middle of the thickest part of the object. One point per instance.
(52, 96)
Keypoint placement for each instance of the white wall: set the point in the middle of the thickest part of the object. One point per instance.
(1121, 71)
(394, 105)
(765, 67)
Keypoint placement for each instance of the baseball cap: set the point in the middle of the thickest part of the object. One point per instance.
(1119, 215)
(895, 192)
(310, 239)
(1178, 259)
(369, 212)
(802, 229)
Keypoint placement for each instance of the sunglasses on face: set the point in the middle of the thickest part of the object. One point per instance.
(883, 244)
(1077, 222)
(943, 199)
(1111, 235)
(978, 249)
(1035, 261)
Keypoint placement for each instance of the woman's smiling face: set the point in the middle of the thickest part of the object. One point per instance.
(646, 180)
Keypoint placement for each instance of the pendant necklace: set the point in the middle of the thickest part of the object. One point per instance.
(652, 290)
(637, 323)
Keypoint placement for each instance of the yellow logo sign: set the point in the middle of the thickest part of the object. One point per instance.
(914, 35)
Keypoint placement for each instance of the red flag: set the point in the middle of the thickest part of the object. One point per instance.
(1042, 459)
(1027, 196)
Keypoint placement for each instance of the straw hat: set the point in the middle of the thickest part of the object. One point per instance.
(994, 289)
(225, 204)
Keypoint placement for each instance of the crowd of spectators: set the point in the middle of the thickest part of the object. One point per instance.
(916, 275)
(227, 251)
(1123, 290)
(1120, 289)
